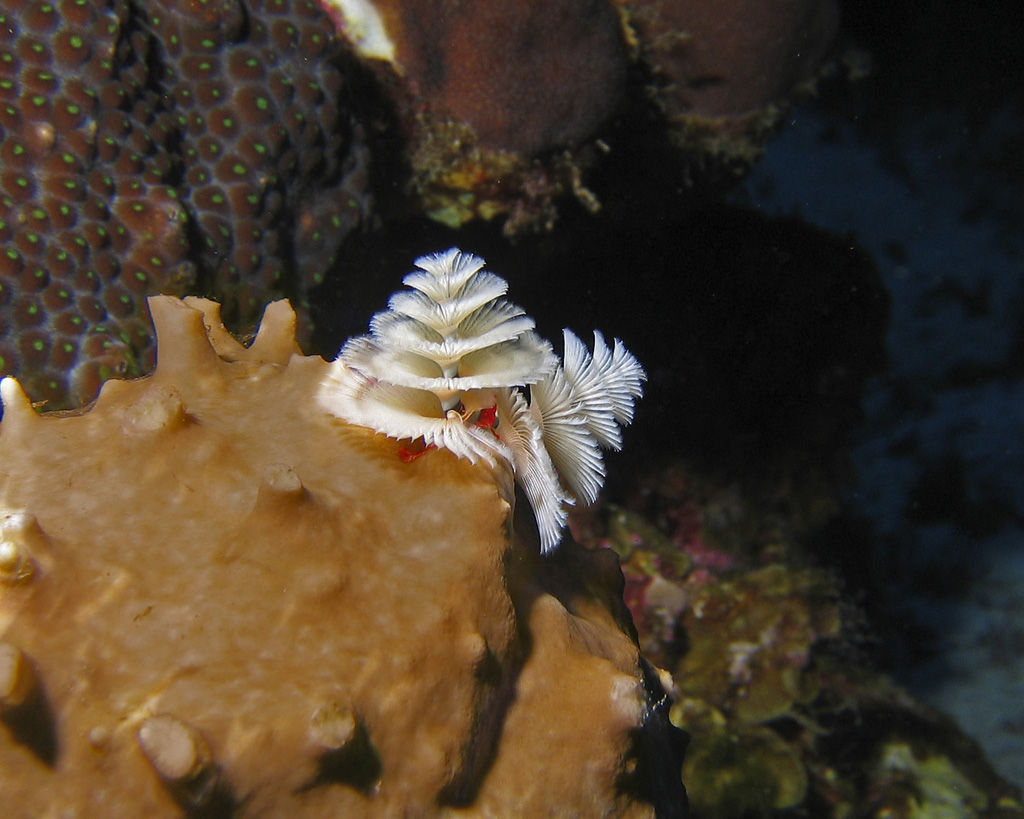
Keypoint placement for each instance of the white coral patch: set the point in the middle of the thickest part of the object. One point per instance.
(446, 348)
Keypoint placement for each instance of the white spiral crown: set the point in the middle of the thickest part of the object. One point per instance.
(452, 346)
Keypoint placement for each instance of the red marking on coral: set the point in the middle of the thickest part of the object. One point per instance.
(488, 418)
(409, 455)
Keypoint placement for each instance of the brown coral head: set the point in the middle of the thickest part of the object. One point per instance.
(525, 76)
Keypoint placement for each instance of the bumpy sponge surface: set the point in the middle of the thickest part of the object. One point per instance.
(217, 600)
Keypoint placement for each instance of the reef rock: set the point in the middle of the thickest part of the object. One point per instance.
(217, 599)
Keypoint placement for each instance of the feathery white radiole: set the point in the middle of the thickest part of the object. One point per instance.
(453, 344)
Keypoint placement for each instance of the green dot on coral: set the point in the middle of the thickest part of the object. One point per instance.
(38, 345)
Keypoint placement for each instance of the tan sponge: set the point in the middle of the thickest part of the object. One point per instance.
(218, 600)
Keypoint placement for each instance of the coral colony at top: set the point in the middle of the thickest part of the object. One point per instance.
(446, 363)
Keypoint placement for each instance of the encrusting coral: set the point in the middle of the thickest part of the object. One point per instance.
(162, 147)
(445, 363)
(218, 599)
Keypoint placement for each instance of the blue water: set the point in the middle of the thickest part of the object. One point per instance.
(940, 459)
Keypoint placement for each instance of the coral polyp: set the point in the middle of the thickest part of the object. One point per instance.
(162, 147)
